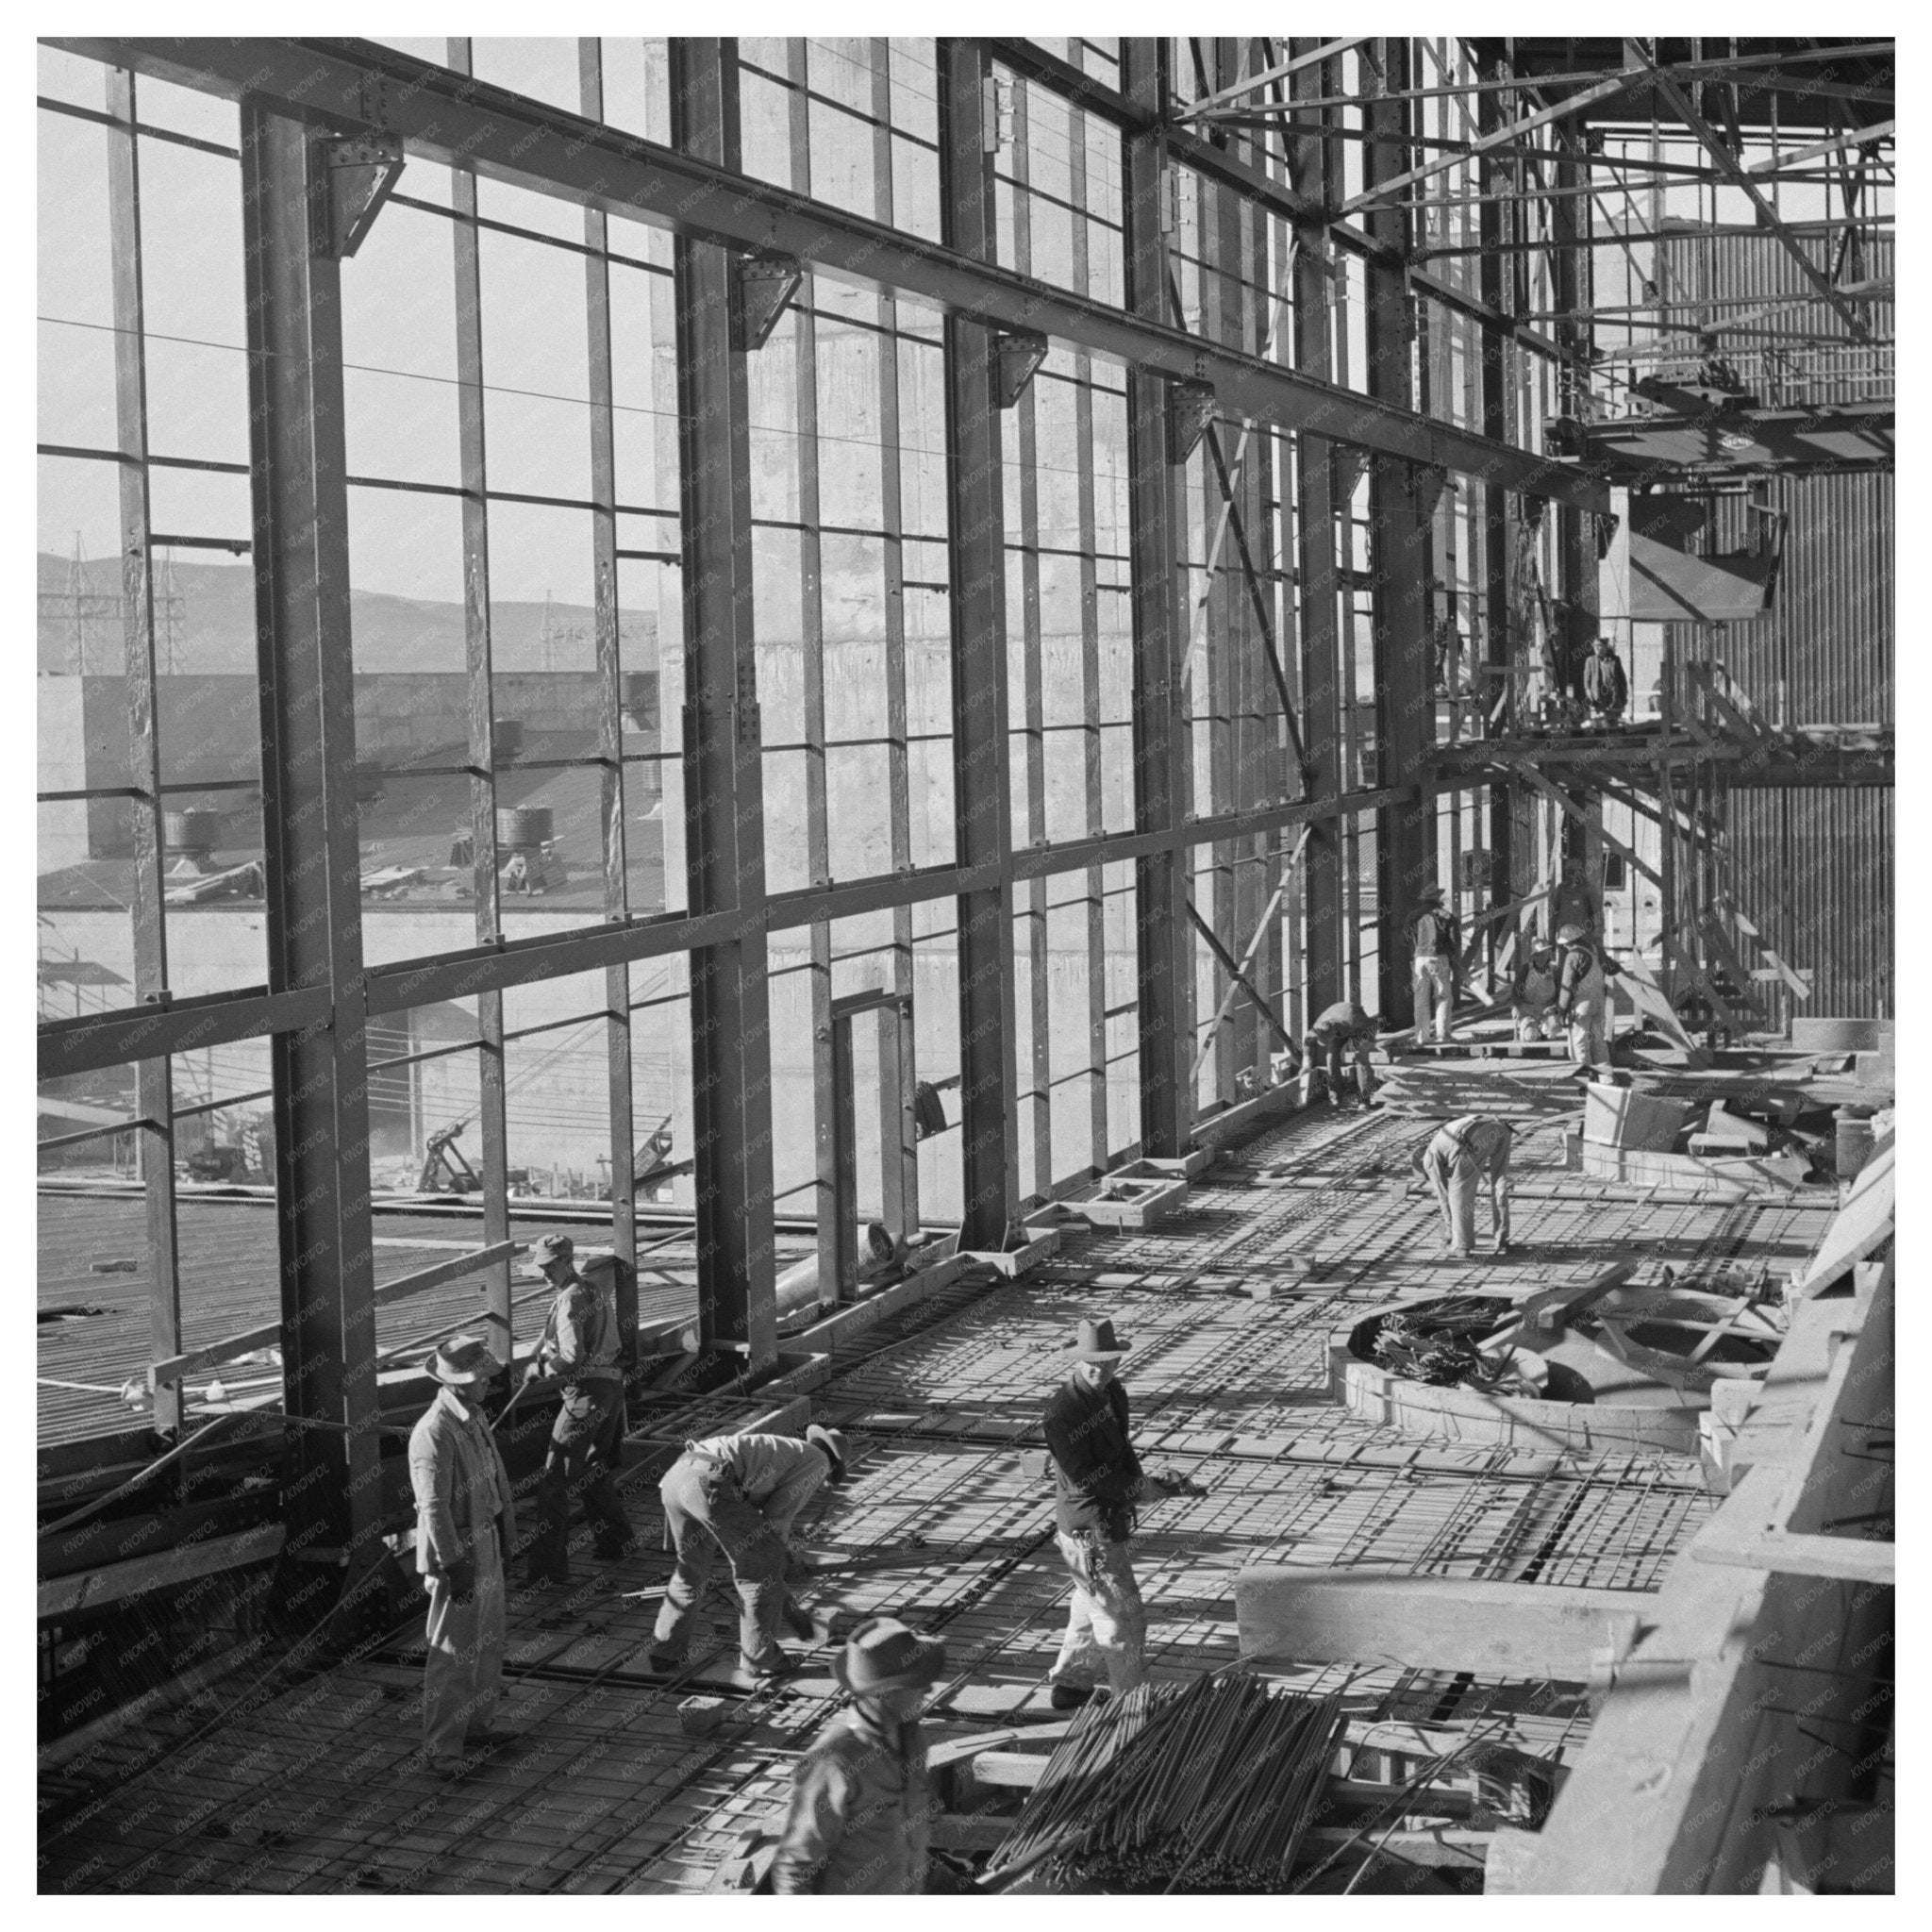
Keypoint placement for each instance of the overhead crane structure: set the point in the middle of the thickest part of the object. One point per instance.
(1404, 326)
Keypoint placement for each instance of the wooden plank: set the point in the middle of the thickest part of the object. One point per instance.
(1866, 1219)
(1848, 1559)
(112, 1582)
(1369, 1614)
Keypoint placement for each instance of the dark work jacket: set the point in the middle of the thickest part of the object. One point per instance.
(1097, 1473)
(1445, 932)
(1603, 683)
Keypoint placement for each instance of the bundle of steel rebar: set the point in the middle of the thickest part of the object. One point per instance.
(1204, 1786)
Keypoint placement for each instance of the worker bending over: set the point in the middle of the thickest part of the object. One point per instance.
(580, 1346)
(465, 1526)
(859, 1816)
(740, 1494)
(1342, 1030)
(1430, 933)
(1097, 1481)
(1533, 995)
(1582, 995)
(1475, 1147)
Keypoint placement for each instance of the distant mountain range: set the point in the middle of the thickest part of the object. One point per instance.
(212, 628)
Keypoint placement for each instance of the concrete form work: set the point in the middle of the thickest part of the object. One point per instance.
(817, 663)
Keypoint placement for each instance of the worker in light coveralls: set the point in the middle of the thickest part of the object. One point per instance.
(580, 1346)
(859, 1816)
(1459, 1156)
(1097, 1481)
(465, 1526)
(1430, 932)
(740, 1494)
(1582, 995)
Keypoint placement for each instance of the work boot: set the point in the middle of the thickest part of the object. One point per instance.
(1070, 1696)
(664, 1663)
(799, 1623)
(779, 1667)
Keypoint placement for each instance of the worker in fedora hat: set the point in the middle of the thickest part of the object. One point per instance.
(1429, 933)
(742, 1494)
(465, 1526)
(1097, 1480)
(580, 1346)
(858, 1817)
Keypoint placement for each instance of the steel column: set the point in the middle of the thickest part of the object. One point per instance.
(1405, 857)
(491, 1124)
(153, 1079)
(732, 1083)
(976, 542)
(313, 862)
(1315, 166)
(1156, 504)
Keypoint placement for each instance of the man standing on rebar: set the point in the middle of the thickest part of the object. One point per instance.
(465, 1526)
(740, 1494)
(1582, 995)
(859, 1817)
(1097, 1481)
(1429, 932)
(1342, 1030)
(1473, 1148)
(1606, 690)
(580, 1345)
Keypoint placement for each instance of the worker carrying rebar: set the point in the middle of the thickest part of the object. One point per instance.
(1340, 1031)
(859, 1816)
(1532, 995)
(581, 1347)
(742, 1494)
(1582, 994)
(1097, 1481)
(1606, 690)
(1460, 1155)
(1430, 935)
(466, 1525)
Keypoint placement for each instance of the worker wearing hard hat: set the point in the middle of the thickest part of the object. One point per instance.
(1460, 1155)
(465, 1525)
(580, 1346)
(740, 1494)
(1582, 995)
(1429, 933)
(1340, 1031)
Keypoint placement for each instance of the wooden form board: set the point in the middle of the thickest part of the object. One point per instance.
(1867, 1217)
(1371, 1615)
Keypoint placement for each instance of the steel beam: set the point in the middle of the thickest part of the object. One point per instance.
(1156, 507)
(464, 124)
(313, 862)
(154, 1076)
(731, 1081)
(976, 523)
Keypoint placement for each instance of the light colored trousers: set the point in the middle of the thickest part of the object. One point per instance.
(1106, 1623)
(1453, 1174)
(1587, 1040)
(462, 1673)
(1434, 987)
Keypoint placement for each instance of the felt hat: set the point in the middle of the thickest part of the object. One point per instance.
(463, 1361)
(1095, 1342)
(883, 1655)
(1430, 895)
(552, 1247)
(1569, 935)
(833, 1442)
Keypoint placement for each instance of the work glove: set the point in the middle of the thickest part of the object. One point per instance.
(533, 1372)
(461, 1578)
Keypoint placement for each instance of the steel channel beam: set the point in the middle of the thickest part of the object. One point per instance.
(492, 1125)
(623, 1238)
(153, 1077)
(464, 124)
(1313, 165)
(975, 525)
(314, 908)
(732, 1079)
(1405, 854)
(1157, 508)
